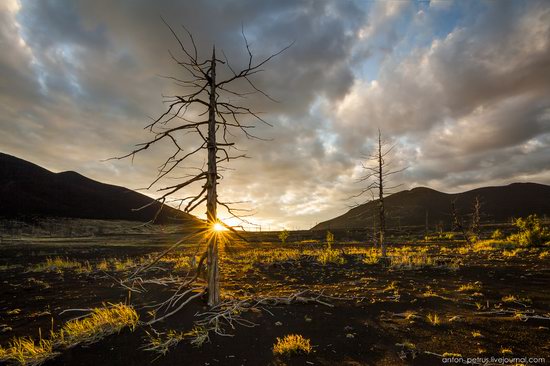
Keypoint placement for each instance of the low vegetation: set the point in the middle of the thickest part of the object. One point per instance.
(100, 323)
(423, 281)
(292, 344)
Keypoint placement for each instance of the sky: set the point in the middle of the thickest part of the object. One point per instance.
(462, 89)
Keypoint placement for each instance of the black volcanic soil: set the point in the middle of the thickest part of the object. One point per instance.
(365, 330)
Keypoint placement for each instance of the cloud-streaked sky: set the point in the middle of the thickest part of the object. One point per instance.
(462, 88)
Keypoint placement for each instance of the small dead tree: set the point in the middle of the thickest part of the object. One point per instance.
(475, 226)
(206, 94)
(377, 176)
(458, 222)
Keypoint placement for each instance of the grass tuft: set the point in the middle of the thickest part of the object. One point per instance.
(433, 319)
(25, 351)
(100, 323)
(292, 344)
(330, 256)
(56, 264)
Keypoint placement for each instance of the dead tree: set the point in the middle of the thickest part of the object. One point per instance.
(458, 223)
(206, 94)
(377, 176)
(475, 226)
(472, 234)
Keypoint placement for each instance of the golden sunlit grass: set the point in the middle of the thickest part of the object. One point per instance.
(512, 253)
(25, 351)
(330, 256)
(477, 334)
(292, 344)
(475, 286)
(411, 260)
(103, 265)
(100, 323)
(451, 354)
(492, 245)
(371, 259)
(433, 319)
(55, 264)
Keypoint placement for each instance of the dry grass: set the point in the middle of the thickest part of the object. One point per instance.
(475, 286)
(100, 323)
(25, 351)
(330, 256)
(162, 342)
(56, 264)
(492, 245)
(433, 319)
(292, 344)
(409, 260)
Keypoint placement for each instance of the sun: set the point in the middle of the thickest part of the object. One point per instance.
(218, 227)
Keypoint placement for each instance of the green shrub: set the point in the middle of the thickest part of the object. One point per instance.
(530, 232)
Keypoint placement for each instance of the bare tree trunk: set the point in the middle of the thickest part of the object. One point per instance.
(211, 195)
(381, 196)
(426, 227)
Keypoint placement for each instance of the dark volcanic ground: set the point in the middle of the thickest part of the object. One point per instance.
(373, 312)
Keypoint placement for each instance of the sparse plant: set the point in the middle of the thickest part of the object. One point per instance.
(330, 239)
(55, 265)
(283, 235)
(531, 232)
(506, 351)
(433, 319)
(199, 335)
(497, 235)
(409, 260)
(512, 253)
(292, 344)
(26, 351)
(371, 258)
(475, 286)
(162, 342)
(510, 298)
(392, 286)
(100, 323)
(89, 329)
(330, 256)
(103, 265)
(451, 354)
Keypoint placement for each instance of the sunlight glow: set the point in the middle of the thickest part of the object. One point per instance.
(219, 227)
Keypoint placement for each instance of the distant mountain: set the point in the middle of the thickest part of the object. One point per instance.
(410, 208)
(28, 190)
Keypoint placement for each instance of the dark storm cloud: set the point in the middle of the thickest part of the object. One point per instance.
(467, 106)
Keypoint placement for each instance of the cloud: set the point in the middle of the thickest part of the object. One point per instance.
(462, 88)
(470, 97)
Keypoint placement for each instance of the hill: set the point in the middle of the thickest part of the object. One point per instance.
(28, 190)
(410, 208)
